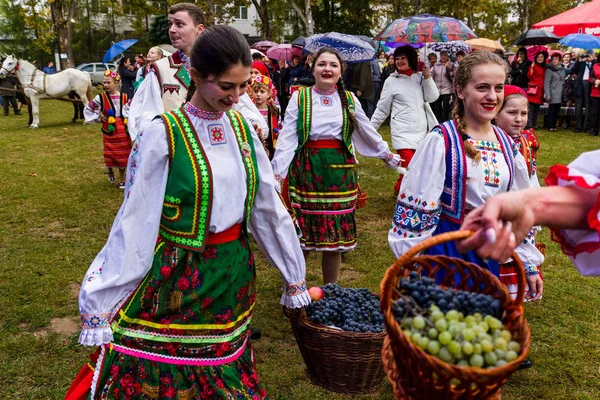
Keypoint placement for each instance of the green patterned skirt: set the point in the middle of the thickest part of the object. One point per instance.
(183, 334)
(323, 188)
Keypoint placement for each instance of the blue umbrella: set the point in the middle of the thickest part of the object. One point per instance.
(350, 48)
(581, 41)
(118, 48)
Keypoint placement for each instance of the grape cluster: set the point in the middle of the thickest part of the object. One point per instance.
(426, 292)
(353, 310)
(465, 331)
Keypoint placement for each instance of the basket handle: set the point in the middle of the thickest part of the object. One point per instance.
(390, 279)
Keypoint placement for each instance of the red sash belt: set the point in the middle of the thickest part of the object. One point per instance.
(324, 144)
(228, 235)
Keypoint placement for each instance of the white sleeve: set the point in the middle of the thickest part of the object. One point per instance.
(430, 90)
(127, 255)
(273, 229)
(91, 111)
(367, 141)
(247, 108)
(418, 206)
(145, 105)
(287, 142)
(384, 105)
(527, 252)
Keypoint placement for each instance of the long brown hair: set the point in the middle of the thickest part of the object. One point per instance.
(461, 79)
(340, 83)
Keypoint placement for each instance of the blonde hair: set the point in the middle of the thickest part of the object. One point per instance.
(462, 77)
(158, 49)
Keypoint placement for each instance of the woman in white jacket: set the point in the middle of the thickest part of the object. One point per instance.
(404, 94)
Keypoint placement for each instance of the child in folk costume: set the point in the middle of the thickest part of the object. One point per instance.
(512, 118)
(460, 164)
(323, 126)
(170, 297)
(263, 92)
(108, 107)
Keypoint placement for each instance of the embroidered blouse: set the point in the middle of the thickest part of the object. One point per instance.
(127, 256)
(419, 207)
(91, 111)
(327, 121)
(582, 246)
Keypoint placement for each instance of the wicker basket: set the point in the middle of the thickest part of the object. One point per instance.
(541, 248)
(416, 374)
(361, 198)
(340, 361)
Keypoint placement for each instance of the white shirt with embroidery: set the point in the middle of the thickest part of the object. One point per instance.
(327, 122)
(423, 185)
(128, 254)
(91, 111)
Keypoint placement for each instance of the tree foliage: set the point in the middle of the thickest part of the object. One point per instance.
(159, 30)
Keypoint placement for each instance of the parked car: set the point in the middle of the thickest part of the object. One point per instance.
(96, 70)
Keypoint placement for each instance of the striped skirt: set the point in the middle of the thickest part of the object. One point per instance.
(117, 146)
(323, 187)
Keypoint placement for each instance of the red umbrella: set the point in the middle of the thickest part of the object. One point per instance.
(582, 19)
(263, 45)
(283, 52)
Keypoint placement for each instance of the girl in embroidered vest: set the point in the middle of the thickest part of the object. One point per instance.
(460, 164)
(170, 297)
(263, 92)
(317, 145)
(512, 118)
(108, 107)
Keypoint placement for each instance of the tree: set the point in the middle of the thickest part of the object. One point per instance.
(159, 30)
(305, 15)
(273, 15)
(63, 14)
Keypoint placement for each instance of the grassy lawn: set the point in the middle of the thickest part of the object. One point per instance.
(56, 208)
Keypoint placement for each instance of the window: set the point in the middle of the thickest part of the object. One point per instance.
(100, 68)
(88, 68)
(242, 13)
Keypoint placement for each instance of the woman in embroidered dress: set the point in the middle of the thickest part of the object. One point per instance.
(403, 98)
(570, 206)
(316, 146)
(107, 107)
(512, 118)
(460, 165)
(170, 297)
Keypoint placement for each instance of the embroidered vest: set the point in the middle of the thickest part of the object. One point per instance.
(529, 146)
(188, 198)
(174, 80)
(107, 104)
(454, 197)
(305, 119)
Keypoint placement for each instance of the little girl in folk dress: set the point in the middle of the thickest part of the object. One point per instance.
(263, 93)
(107, 107)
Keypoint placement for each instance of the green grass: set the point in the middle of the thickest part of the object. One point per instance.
(56, 208)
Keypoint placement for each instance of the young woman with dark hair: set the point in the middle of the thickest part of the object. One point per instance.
(460, 164)
(595, 96)
(323, 127)
(170, 297)
(535, 87)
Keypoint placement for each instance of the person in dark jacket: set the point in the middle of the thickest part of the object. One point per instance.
(280, 80)
(128, 74)
(362, 83)
(296, 71)
(581, 70)
(8, 96)
(518, 69)
(554, 82)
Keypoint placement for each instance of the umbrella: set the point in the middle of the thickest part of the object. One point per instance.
(299, 42)
(373, 43)
(484, 44)
(349, 47)
(451, 47)
(117, 49)
(581, 41)
(393, 45)
(263, 45)
(536, 36)
(283, 52)
(425, 28)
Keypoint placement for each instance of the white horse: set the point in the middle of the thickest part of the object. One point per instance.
(37, 85)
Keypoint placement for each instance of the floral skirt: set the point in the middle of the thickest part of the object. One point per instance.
(323, 185)
(183, 334)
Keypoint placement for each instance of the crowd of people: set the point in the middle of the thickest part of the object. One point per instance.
(212, 144)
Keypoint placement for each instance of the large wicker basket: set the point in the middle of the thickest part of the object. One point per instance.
(416, 374)
(340, 361)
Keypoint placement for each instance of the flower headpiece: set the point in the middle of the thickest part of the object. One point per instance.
(113, 74)
(265, 81)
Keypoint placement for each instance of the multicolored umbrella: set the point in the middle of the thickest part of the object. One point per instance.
(350, 48)
(263, 45)
(425, 28)
(283, 52)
